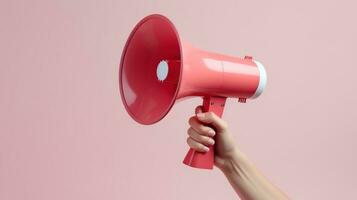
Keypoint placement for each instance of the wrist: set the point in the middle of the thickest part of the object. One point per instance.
(233, 162)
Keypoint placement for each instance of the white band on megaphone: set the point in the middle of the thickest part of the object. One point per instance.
(262, 79)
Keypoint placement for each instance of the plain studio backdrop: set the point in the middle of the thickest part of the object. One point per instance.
(64, 132)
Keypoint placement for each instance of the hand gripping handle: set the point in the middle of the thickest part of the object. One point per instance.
(199, 159)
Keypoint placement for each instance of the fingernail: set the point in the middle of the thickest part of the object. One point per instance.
(206, 149)
(211, 141)
(200, 115)
(211, 133)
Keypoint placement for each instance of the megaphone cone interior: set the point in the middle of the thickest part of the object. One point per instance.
(151, 69)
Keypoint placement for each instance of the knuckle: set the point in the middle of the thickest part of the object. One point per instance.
(200, 131)
(188, 140)
(191, 120)
(189, 131)
(200, 138)
(191, 143)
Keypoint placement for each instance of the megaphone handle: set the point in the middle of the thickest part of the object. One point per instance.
(199, 159)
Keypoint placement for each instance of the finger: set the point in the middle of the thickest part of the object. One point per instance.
(207, 141)
(196, 145)
(198, 109)
(212, 118)
(201, 128)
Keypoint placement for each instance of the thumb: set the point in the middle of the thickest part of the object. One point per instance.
(198, 109)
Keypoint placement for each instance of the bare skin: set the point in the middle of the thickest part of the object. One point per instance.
(248, 182)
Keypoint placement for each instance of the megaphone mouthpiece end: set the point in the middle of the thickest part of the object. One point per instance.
(262, 79)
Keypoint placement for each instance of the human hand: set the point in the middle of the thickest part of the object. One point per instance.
(208, 129)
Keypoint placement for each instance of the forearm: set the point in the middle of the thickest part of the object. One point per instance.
(247, 181)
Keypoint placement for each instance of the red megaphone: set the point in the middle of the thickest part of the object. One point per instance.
(157, 68)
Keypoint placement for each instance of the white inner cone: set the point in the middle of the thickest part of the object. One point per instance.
(162, 70)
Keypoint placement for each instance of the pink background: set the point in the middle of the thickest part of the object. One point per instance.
(64, 133)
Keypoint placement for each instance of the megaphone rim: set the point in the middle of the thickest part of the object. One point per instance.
(132, 33)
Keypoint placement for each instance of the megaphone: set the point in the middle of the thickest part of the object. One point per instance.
(157, 68)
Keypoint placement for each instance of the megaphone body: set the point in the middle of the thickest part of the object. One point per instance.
(157, 69)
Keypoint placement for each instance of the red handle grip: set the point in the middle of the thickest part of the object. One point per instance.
(199, 159)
